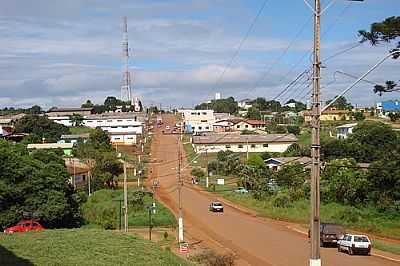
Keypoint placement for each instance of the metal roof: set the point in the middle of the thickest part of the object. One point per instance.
(235, 138)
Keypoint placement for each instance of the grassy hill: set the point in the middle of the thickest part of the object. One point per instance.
(82, 247)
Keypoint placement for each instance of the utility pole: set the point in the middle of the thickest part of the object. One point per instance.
(315, 259)
(208, 173)
(180, 219)
(125, 200)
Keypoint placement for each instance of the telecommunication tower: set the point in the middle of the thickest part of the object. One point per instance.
(126, 92)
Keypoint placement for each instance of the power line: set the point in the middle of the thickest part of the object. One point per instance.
(235, 54)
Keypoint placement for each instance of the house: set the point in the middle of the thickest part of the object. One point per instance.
(343, 131)
(74, 138)
(197, 121)
(5, 130)
(245, 103)
(10, 120)
(65, 147)
(276, 163)
(386, 107)
(242, 143)
(121, 127)
(223, 126)
(248, 124)
(78, 171)
(328, 115)
(54, 112)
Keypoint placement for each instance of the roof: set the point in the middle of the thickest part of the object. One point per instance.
(70, 109)
(326, 112)
(254, 122)
(76, 136)
(285, 160)
(123, 133)
(347, 125)
(51, 146)
(236, 138)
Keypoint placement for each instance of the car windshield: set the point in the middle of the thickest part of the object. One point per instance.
(360, 239)
(217, 204)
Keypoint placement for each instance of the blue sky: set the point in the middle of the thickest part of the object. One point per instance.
(60, 53)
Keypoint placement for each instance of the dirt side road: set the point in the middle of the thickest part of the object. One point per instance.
(254, 240)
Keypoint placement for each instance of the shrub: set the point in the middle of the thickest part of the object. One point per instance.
(197, 172)
(211, 258)
(281, 199)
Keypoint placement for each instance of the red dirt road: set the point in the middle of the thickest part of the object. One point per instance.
(256, 241)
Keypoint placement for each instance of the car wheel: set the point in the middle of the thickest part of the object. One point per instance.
(351, 251)
(321, 244)
(339, 249)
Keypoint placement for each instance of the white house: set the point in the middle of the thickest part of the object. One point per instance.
(243, 143)
(245, 103)
(343, 131)
(197, 121)
(276, 163)
(248, 124)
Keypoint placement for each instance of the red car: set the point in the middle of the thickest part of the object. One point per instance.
(24, 226)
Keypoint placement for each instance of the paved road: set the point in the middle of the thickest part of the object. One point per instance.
(255, 240)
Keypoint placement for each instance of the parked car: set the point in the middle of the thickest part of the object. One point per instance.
(353, 244)
(216, 206)
(24, 226)
(167, 127)
(330, 233)
(241, 190)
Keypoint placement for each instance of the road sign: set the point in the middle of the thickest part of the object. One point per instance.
(184, 247)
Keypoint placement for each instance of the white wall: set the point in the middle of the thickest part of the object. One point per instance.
(200, 120)
(258, 147)
(127, 139)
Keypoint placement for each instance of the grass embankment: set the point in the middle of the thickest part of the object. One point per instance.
(392, 248)
(80, 130)
(363, 219)
(82, 247)
(102, 208)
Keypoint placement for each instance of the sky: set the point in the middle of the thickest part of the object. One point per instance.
(61, 53)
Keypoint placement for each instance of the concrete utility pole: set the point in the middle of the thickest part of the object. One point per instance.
(180, 219)
(125, 200)
(315, 259)
(208, 172)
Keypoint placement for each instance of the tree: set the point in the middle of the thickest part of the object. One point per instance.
(342, 183)
(384, 32)
(341, 103)
(253, 113)
(293, 130)
(228, 105)
(291, 176)
(87, 104)
(35, 109)
(76, 120)
(40, 127)
(359, 116)
(256, 161)
(36, 183)
(394, 116)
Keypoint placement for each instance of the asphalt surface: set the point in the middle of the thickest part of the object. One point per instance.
(255, 240)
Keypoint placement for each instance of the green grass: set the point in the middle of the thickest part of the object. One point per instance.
(364, 219)
(82, 247)
(80, 130)
(102, 209)
(388, 247)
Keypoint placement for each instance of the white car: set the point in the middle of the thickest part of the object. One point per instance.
(353, 244)
(167, 127)
(216, 206)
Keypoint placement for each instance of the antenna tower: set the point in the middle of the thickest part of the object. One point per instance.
(126, 92)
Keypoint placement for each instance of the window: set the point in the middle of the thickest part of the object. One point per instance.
(227, 146)
(203, 121)
(117, 138)
(237, 126)
(240, 146)
(200, 128)
(90, 121)
(246, 126)
(99, 121)
(109, 120)
(119, 120)
(114, 127)
(204, 113)
(207, 127)
(253, 145)
(265, 145)
(129, 120)
(124, 126)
